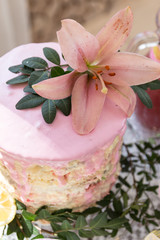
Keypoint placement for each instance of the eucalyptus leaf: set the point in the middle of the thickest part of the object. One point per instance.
(70, 69)
(38, 76)
(30, 101)
(17, 80)
(51, 55)
(20, 205)
(72, 236)
(37, 237)
(28, 215)
(26, 70)
(99, 221)
(66, 225)
(27, 227)
(64, 105)
(49, 111)
(116, 223)
(143, 95)
(12, 227)
(20, 235)
(57, 71)
(92, 210)
(117, 205)
(99, 232)
(86, 233)
(29, 89)
(81, 222)
(35, 62)
(16, 68)
(151, 85)
(43, 214)
(56, 227)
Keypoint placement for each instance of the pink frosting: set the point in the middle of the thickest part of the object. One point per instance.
(24, 132)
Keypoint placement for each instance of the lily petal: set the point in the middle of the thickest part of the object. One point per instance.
(112, 36)
(124, 97)
(133, 69)
(87, 104)
(57, 87)
(78, 46)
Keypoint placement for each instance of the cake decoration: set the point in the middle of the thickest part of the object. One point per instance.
(34, 70)
(50, 166)
(100, 72)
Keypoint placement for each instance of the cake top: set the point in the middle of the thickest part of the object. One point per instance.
(24, 132)
(99, 85)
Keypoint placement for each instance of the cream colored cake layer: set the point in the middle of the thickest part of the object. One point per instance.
(77, 185)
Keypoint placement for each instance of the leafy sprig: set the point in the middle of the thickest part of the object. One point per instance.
(141, 91)
(130, 201)
(33, 70)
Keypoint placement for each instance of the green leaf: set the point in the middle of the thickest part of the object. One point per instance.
(26, 70)
(57, 71)
(153, 223)
(66, 225)
(43, 214)
(38, 76)
(81, 222)
(29, 89)
(157, 213)
(28, 215)
(134, 217)
(12, 227)
(117, 205)
(16, 68)
(51, 55)
(70, 69)
(56, 227)
(71, 236)
(38, 237)
(123, 180)
(92, 210)
(17, 80)
(30, 101)
(152, 188)
(86, 234)
(143, 95)
(99, 221)
(64, 105)
(49, 111)
(35, 231)
(27, 226)
(99, 232)
(20, 235)
(20, 205)
(128, 227)
(152, 85)
(116, 223)
(35, 62)
(125, 198)
(114, 233)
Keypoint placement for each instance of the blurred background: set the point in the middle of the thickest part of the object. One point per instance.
(24, 21)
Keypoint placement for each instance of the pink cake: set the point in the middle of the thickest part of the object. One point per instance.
(50, 164)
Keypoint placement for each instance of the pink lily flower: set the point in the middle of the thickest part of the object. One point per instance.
(100, 71)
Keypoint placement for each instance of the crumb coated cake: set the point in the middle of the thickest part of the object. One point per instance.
(50, 164)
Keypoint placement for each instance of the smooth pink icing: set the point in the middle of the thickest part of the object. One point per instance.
(24, 132)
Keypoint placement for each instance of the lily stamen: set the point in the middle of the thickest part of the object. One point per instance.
(94, 77)
(104, 89)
